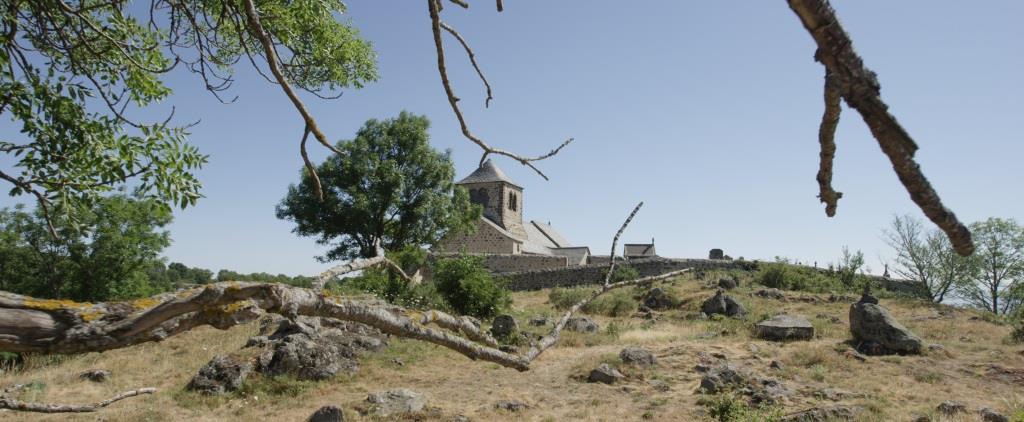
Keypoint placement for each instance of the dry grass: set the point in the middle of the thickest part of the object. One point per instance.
(892, 388)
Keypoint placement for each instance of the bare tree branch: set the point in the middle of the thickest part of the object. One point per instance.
(472, 59)
(615, 241)
(859, 87)
(435, 18)
(826, 137)
(12, 404)
(309, 165)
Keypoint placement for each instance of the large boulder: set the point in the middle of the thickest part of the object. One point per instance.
(317, 349)
(393, 402)
(658, 299)
(878, 332)
(504, 327)
(637, 356)
(220, 375)
(722, 304)
(785, 327)
(604, 373)
(582, 325)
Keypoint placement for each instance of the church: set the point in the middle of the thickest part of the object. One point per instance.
(502, 233)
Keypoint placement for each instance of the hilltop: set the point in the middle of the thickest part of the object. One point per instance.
(969, 361)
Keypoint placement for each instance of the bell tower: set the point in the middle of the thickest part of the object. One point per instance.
(500, 197)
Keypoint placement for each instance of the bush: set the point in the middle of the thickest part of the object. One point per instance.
(563, 298)
(773, 275)
(623, 273)
(468, 288)
(781, 275)
(386, 284)
(615, 303)
(1017, 335)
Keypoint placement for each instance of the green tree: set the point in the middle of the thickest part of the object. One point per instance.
(927, 257)
(468, 287)
(108, 255)
(996, 286)
(73, 71)
(386, 185)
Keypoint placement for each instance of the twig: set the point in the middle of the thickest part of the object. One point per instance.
(13, 404)
(472, 59)
(435, 18)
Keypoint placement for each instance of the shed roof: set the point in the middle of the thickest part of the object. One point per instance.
(638, 249)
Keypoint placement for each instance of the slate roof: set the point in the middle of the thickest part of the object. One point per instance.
(488, 172)
(551, 234)
(577, 254)
(638, 249)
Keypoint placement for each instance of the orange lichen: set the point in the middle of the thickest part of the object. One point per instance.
(146, 303)
(55, 304)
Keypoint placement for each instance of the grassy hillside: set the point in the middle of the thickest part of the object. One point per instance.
(975, 366)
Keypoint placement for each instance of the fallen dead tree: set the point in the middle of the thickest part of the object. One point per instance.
(58, 326)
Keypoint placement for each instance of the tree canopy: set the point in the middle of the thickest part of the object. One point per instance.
(73, 71)
(387, 185)
(107, 256)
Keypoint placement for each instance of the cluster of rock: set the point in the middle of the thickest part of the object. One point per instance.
(636, 357)
(306, 348)
(728, 376)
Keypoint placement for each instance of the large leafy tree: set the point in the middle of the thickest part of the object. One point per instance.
(72, 72)
(386, 185)
(997, 284)
(107, 256)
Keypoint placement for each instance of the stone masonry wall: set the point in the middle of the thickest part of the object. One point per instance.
(593, 274)
(485, 240)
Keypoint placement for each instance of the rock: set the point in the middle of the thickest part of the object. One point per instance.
(637, 356)
(951, 407)
(771, 293)
(220, 375)
(853, 354)
(257, 341)
(658, 299)
(604, 373)
(317, 349)
(990, 415)
(785, 327)
(582, 325)
(511, 406)
(397, 401)
(728, 283)
(716, 254)
(539, 321)
(775, 365)
(923, 418)
(659, 385)
(327, 414)
(832, 394)
(824, 413)
(868, 298)
(770, 392)
(722, 378)
(830, 318)
(722, 304)
(870, 322)
(96, 375)
(504, 327)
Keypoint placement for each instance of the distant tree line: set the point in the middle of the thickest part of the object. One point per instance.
(112, 252)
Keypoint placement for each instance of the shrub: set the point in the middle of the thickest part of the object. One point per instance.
(468, 288)
(563, 298)
(615, 303)
(1017, 335)
(773, 275)
(623, 273)
(731, 408)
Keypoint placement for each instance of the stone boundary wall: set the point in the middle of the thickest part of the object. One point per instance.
(507, 263)
(594, 274)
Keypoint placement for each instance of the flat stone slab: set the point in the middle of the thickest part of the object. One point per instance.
(785, 327)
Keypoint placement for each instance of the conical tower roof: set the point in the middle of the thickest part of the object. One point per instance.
(487, 173)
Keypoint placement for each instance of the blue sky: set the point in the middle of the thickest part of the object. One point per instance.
(707, 111)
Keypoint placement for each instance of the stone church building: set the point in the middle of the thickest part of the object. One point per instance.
(509, 243)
